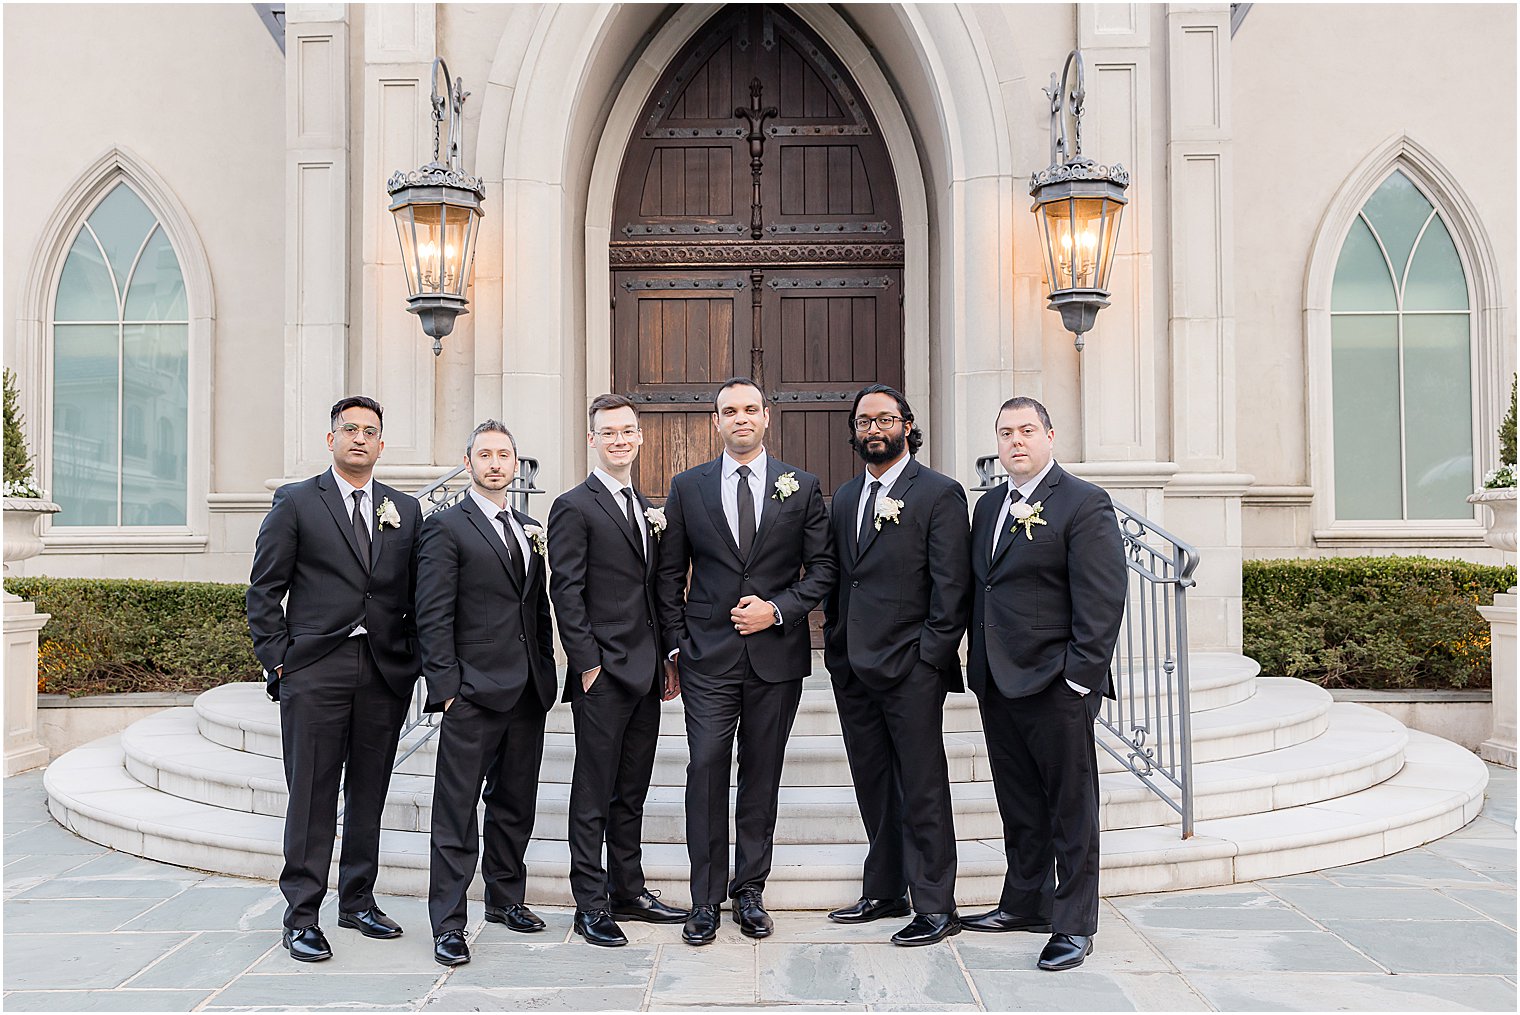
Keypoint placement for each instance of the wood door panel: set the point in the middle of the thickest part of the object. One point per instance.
(675, 439)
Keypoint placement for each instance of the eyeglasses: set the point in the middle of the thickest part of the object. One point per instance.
(863, 424)
(354, 429)
(627, 434)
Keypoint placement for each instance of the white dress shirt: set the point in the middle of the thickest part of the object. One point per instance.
(1025, 490)
(616, 489)
(366, 507)
(490, 511)
(757, 490)
(887, 480)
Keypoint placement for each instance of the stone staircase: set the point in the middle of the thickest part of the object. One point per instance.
(1285, 781)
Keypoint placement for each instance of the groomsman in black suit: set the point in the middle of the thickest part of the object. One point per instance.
(488, 656)
(1049, 598)
(605, 540)
(892, 634)
(340, 657)
(755, 535)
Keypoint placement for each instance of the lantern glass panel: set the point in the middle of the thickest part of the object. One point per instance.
(404, 233)
(427, 234)
(467, 262)
(1109, 245)
(456, 234)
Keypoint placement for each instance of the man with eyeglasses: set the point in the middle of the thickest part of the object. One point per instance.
(892, 633)
(604, 538)
(341, 658)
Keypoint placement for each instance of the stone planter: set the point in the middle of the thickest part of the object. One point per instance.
(23, 539)
(1501, 516)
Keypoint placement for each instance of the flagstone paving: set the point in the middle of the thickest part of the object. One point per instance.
(1433, 928)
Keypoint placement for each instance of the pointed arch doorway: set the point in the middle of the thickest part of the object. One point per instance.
(756, 230)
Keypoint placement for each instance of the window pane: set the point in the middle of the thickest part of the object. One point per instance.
(1436, 280)
(85, 292)
(1364, 375)
(1438, 415)
(157, 289)
(155, 397)
(1397, 210)
(1362, 281)
(84, 423)
(122, 222)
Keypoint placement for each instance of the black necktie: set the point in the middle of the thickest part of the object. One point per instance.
(361, 530)
(869, 518)
(997, 537)
(746, 514)
(633, 520)
(514, 552)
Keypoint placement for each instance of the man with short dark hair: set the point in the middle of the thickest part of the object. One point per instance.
(340, 657)
(754, 533)
(488, 656)
(605, 539)
(1048, 601)
(892, 634)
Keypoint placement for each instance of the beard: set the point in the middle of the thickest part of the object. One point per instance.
(893, 445)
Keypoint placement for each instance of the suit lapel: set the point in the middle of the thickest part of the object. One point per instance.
(773, 471)
(487, 528)
(614, 510)
(334, 500)
(1041, 493)
(846, 507)
(378, 538)
(534, 564)
(712, 496)
(651, 541)
(898, 491)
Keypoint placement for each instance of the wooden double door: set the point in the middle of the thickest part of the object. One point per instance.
(757, 232)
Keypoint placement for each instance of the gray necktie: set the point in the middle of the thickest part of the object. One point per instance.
(746, 513)
(361, 530)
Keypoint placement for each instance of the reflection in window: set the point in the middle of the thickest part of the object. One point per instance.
(120, 372)
(1401, 369)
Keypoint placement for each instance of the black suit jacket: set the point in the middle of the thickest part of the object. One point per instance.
(307, 550)
(484, 637)
(902, 594)
(603, 589)
(790, 564)
(1048, 607)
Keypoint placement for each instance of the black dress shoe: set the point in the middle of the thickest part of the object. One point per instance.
(702, 926)
(998, 921)
(927, 928)
(866, 910)
(599, 928)
(519, 918)
(1065, 951)
(371, 923)
(307, 944)
(750, 914)
(647, 907)
(449, 948)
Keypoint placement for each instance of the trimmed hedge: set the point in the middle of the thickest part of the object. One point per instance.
(1372, 622)
(110, 636)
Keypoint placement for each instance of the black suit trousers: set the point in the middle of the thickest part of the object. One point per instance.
(503, 750)
(1045, 773)
(761, 713)
(339, 721)
(616, 732)
(894, 737)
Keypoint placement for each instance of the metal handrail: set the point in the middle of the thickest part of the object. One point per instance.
(1149, 721)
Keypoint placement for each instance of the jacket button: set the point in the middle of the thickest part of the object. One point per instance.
(369, 595)
(855, 585)
(522, 637)
(986, 588)
(746, 577)
(648, 623)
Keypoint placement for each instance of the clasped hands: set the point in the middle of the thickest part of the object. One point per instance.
(752, 615)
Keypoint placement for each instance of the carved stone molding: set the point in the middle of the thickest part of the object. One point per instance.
(644, 255)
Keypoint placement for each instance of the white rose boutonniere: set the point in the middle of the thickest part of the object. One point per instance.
(786, 485)
(888, 510)
(388, 516)
(656, 519)
(540, 541)
(1027, 515)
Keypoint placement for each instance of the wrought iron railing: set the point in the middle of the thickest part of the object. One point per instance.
(1148, 725)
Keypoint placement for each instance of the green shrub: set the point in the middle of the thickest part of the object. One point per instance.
(1371, 622)
(110, 636)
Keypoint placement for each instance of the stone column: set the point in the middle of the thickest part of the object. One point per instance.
(23, 539)
(1500, 745)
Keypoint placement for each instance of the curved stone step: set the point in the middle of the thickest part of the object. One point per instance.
(1363, 747)
(242, 717)
(1438, 789)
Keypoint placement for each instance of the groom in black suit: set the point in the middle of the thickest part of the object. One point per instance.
(892, 634)
(754, 533)
(340, 657)
(1049, 590)
(488, 656)
(605, 538)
